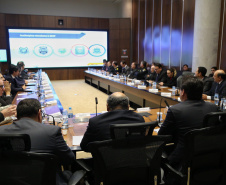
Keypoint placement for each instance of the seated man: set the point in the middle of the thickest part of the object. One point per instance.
(12, 78)
(7, 98)
(125, 68)
(207, 82)
(118, 112)
(159, 75)
(171, 78)
(185, 67)
(142, 72)
(218, 86)
(110, 68)
(213, 69)
(117, 68)
(133, 71)
(44, 138)
(185, 116)
(104, 67)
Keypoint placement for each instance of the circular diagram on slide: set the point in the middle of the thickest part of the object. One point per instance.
(43, 50)
(62, 51)
(79, 50)
(97, 50)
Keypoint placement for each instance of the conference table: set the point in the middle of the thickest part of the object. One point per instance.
(137, 93)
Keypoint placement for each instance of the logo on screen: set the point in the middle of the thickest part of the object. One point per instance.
(23, 50)
(79, 50)
(97, 50)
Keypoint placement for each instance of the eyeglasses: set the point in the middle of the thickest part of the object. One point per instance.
(2, 86)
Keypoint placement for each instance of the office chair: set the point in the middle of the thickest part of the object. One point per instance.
(131, 160)
(119, 131)
(19, 166)
(179, 79)
(204, 158)
(214, 118)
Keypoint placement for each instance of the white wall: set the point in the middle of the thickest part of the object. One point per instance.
(74, 8)
(126, 9)
(206, 33)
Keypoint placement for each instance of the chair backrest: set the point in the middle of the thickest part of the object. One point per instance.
(132, 160)
(14, 142)
(214, 118)
(28, 168)
(120, 131)
(205, 154)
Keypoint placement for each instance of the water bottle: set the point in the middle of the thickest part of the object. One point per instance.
(117, 76)
(65, 116)
(173, 90)
(154, 85)
(216, 99)
(70, 113)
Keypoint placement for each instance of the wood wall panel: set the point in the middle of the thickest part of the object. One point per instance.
(188, 33)
(176, 35)
(141, 27)
(114, 24)
(103, 23)
(168, 37)
(49, 21)
(135, 31)
(157, 31)
(37, 21)
(24, 20)
(2, 19)
(148, 42)
(11, 20)
(165, 32)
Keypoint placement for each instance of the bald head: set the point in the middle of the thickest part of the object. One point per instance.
(117, 100)
(219, 75)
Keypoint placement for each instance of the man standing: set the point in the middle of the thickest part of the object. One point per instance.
(207, 82)
(118, 113)
(185, 116)
(218, 86)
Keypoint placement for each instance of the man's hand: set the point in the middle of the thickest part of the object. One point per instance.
(10, 111)
(26, 82)
(7, 86)
(161, 83)
(204, 96)
(24, 87)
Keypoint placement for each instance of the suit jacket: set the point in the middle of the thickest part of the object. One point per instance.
(5, 100)
(170, 82)
(44, 138)
(99, 126)
(15, 85)
(132, 73)
(207, 83)
(142, 72)
(162, 77)
(24, 74)
(217, 88)
(180, 119)
(126, 70)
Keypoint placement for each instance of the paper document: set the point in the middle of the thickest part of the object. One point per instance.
(77, 140)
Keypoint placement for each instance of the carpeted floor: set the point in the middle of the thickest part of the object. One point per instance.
(80, 96)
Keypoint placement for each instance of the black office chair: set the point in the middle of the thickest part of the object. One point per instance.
(120, 131)
(214, 118)
(19, 166)
(132, 160)
(204, 159)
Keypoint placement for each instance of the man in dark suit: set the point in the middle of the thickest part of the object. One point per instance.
(207, 81)
(159, 75)
(44, 138)
(118, 113)
(5, 87)
(142, 72)
(125, 68)
(185, 116)
(12, 78)
(117, 68)
(133, 71)
(219, 86)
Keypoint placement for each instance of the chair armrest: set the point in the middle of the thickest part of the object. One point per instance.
(84, 164)
(76, 177)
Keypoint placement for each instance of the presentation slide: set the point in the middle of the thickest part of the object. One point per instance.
(3, 55)
(58, 48)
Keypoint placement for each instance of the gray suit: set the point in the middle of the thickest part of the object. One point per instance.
(44, 138)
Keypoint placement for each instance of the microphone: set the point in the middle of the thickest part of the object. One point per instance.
(177, 94)
(159, 118)
(166, 103)
(44, 114)
(96, 100)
